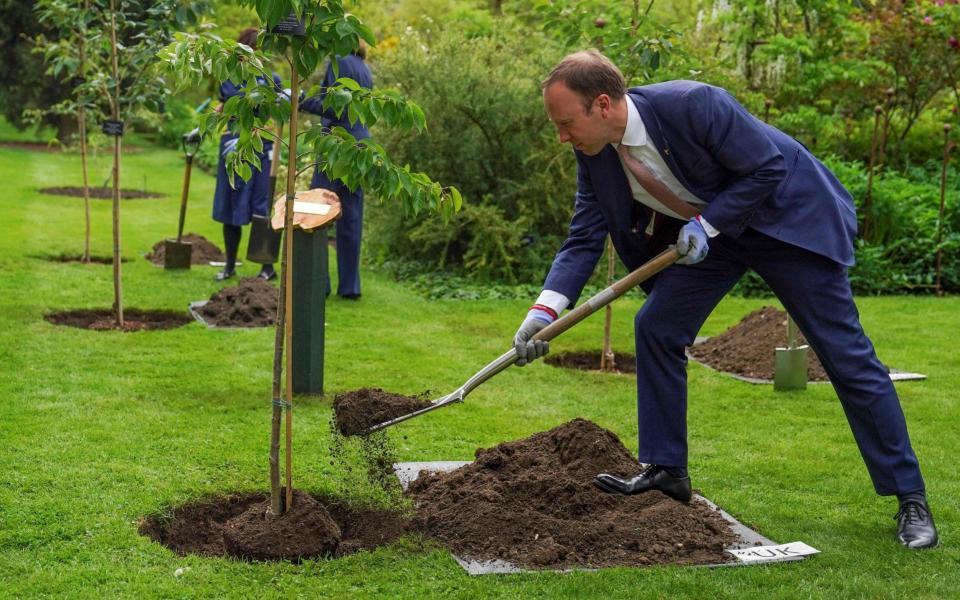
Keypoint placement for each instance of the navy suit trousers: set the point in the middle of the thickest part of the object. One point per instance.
(816, 292)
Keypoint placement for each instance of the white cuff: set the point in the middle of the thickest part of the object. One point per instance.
(711, 232)
(555, 300)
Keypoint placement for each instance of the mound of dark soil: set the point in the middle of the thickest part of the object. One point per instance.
(99, 193)
(590, 361)
(250, 303)
(749, 348)
(202, 252)
(103, 319)
(201, 527)
(355, 412)
(533, 502)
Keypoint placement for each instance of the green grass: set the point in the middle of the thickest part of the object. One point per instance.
(100, 429)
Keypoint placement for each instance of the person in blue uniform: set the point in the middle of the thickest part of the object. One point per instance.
(734, 194)
(235, 200)
(350, 224)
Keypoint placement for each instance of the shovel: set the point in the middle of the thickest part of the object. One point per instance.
(177, 253)
(608, 295)
(790, 368)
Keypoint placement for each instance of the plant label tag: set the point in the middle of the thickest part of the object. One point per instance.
(290, 26)
(310, 208)
(779, 552)
(114, 128)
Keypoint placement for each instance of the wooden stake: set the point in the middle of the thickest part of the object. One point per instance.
(943, 195)
(117, 288)
(288, 274)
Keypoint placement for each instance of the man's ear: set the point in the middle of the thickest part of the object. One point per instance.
(604, 104)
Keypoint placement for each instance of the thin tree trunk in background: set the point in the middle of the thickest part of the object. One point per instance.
(943, 195)
(82, 122)
(868, 197)
(117, 288)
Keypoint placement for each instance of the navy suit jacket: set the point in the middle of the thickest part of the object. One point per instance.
(749, 173)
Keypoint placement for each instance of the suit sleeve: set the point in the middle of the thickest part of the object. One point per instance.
(738, 142)
(578, 256)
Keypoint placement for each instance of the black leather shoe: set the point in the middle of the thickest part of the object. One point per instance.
(267, 276)
(653, 478)
(915, 528)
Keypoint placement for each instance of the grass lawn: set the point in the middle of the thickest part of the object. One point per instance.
(100, 429)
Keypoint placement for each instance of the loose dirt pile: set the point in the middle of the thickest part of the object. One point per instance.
(103, 319)
(202, 252)
(250, 303)
(590, 361)
(749, 348)
(100, 193)
(234, 525)
(533, 502)
(355, 412)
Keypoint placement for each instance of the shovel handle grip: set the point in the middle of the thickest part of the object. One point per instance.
(608, 295)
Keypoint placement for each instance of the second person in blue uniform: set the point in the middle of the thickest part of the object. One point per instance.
(350, 225)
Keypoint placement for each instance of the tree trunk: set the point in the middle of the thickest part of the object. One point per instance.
(943, 195)
(117, 287)
(288, 271)
(82, 127)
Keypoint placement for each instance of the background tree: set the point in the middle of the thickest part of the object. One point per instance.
(68, 57)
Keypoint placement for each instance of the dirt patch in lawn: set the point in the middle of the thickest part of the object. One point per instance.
(250, 303)
(100, 193)
(749, 348)
(203, 251)
(356, 411)
(78, 258)
(103, 319)
(236, 525)
(32, 146)
(533, 502)
(590, 361)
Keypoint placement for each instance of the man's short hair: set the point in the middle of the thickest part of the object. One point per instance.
(589, 74)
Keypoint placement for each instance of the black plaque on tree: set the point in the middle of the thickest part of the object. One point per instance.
(114, 128)
(290, 26)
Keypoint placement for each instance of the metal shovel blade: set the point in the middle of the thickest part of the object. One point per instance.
(176, 255)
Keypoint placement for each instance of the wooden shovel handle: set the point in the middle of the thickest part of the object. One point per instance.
(608, 295)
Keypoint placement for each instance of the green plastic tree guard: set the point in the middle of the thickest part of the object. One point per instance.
(309, 307)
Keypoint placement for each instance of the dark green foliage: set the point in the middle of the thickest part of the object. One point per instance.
(24, 83)
(488, 135)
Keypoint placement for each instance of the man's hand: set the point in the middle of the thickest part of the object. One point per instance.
(692, 243)
(529, 350)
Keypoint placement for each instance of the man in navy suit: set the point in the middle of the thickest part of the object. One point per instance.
(684, 161)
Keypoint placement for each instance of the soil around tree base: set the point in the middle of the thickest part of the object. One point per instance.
(590, 361)
(533, 502)
(357, 411)
(100, 193)
(95, 259)
(103, 319)
(202, 250)
(201, 527)
(749, 348)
